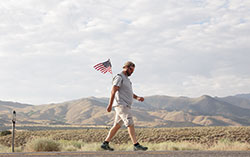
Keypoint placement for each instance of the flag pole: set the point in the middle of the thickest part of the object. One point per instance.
(111, 72)
(111, 68)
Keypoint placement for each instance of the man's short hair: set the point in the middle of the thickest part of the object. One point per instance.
(129, 64)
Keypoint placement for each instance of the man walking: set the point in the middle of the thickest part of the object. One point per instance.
(123, 94)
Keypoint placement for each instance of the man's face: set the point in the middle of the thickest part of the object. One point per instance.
(130, 70)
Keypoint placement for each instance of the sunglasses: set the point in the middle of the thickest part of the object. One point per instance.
(131, 68)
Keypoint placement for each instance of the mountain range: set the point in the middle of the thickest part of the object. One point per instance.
(155, 111)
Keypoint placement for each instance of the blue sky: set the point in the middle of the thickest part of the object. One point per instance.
(181, 48)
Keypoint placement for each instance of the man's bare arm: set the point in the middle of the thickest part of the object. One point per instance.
(138, 98)
(112, 97)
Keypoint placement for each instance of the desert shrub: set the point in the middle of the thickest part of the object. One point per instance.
(77, 144)
(228, 145)
(92, 147)
(4, 133)
(4, 149)
(42, 144)
(69, 149)
(174, 146)
(71, 145)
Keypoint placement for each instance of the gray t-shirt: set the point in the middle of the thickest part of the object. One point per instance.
(124, 96)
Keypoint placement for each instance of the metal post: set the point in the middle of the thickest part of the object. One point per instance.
(13, 130)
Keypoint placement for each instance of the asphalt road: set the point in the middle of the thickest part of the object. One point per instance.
(135, 154)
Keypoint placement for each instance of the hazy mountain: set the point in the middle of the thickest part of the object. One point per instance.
(237, 101)
(155, 111)
(246, 96)
(6, 110)
(8, 105)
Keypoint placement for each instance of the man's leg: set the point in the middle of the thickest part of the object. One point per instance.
(112, 132)
(137, 146)
(131, 131)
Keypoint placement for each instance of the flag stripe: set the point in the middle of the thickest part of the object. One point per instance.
(98, 65)
(100, 68)
(104, 67)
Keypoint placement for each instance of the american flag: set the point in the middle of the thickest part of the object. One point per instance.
(104, 67)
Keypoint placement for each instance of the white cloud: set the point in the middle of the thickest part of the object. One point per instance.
(223, 85)
(189, 47)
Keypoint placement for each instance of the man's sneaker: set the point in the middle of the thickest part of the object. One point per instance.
(105, 146)
(140, 147)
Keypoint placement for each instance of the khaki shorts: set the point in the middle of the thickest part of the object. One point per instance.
(123, 115)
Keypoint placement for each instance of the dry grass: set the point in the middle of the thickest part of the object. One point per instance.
(4, 149)
(226, 144)
(174, 146)
(189, 138)
(171, 146)
(42, 145)
(71, 145)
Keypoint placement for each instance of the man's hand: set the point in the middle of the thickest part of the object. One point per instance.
(140, 99)
(112, 97)
(109, 108)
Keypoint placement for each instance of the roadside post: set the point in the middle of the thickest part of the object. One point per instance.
(13, 130)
